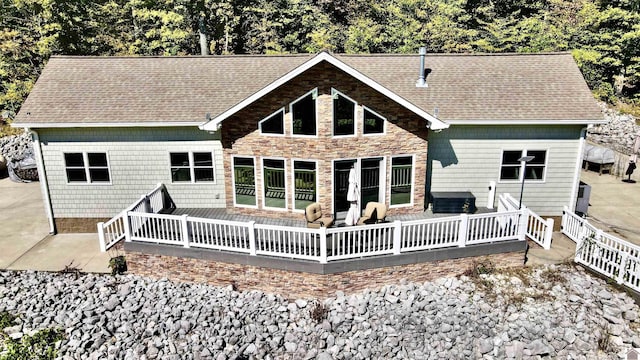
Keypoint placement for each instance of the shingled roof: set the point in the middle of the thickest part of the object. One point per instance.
(505, 88)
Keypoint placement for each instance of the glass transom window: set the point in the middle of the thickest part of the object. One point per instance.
(344, 115)
(373, 123)
(304, 114)
(273, 124)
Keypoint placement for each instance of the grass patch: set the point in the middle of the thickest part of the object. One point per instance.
(7, 319)
(41, 346)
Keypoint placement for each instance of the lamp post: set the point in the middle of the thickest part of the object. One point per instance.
(523, 162)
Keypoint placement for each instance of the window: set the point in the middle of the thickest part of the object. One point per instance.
(344, 118)
(244, 181)
(273, 179)
(401, 180)
(87, 167)
(273, 124)
(373, 123)
(304, 182)
(304, 114)
(192, 167)
(511, 168)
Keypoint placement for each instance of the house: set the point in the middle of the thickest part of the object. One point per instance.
(268, 135)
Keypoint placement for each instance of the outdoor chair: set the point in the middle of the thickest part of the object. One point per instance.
(315, 220)
(374, 213)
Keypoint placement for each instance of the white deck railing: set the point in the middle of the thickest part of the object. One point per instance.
(602, 252)
(115, 229)
(538, 229)
(325, 244)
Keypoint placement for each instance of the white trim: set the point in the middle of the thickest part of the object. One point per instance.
(413, 180)
(269, 117)
(384, 122)
(314, 95)
(286, 188)
(87, 168)
(44, 181)
(435, 124)
(293, 182)
(233, 182)
(524, 152)
(576, 177)
(192, 168)
(104, 124)
(335, 92)
(525, 122)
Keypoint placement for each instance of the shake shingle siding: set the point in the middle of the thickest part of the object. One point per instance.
(467, 158)
(138, 159)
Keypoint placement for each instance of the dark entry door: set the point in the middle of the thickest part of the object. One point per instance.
(341, 185)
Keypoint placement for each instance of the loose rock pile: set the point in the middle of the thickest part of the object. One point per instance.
(555, 312)
(618, 134)
(16, 148)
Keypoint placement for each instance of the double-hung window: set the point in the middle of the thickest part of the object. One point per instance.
(512, 168)
(87, 168)
(192, 167)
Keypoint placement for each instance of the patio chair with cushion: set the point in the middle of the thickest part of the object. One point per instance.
(315, 220)
(374, 213)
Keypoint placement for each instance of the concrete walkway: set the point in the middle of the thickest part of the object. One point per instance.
(25, 243)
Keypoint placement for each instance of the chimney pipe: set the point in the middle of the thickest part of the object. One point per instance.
(421, 81)
(204, 43)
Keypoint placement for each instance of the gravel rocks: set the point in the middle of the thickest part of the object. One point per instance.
(618, 134)
(506, 315)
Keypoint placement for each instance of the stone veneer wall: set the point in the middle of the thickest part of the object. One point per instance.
(303, 285)
(405, 134)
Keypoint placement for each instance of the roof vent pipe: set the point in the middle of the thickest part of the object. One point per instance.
(421, 81)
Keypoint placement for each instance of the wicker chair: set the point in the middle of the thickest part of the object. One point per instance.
(315, 220)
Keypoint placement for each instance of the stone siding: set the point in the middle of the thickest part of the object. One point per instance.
(293, 285)
(405, 134)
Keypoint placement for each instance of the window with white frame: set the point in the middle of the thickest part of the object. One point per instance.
(304, 182)
(344, 114)
(401, 180)
(273, 124)
(511, 168)
(303, 116)
(192, 167)
(373, 123)
(274, 181)
(244, 181)
(87, 167)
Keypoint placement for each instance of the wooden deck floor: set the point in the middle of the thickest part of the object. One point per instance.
(222, 214)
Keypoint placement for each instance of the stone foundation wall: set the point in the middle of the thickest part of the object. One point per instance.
(78, 225)
(303, 285)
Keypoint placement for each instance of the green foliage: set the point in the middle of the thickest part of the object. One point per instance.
(7, 319)
(40, 346)
(118, 265)
(604, 35)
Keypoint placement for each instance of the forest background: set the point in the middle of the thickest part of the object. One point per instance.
(603, 36)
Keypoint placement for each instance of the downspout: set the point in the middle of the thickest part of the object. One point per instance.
(44, 184)
(576, 177)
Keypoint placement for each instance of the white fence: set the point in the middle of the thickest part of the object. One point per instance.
(602, 252)
(115, 229)
(538, 229)
(324, 244)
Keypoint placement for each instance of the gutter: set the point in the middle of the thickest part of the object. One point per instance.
(42, 175)
(576, 178)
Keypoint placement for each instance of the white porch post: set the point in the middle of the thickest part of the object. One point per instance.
(523, 223)
(322, 232)
(127, 226)
(548, 234)
(397, 237)
(103, 246)
(185, 230)
(622, 269)
(252, 237)
(463, 231)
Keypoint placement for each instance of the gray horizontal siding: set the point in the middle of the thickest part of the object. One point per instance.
(467, 158)
(138, 160)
